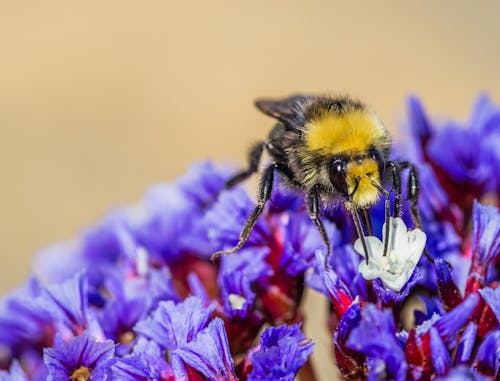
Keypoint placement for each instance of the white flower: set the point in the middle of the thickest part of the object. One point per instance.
(403, 253)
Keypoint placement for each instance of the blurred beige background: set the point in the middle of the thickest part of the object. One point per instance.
(99, 99)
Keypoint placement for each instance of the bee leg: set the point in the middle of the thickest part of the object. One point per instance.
(387, 215)
(413, 194)
(359, 229)
(396, 184)
(367, 220)
(266, 186)
(313, 206)
(254, 156)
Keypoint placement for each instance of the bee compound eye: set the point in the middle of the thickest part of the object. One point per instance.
(337, 175)
(376, 155)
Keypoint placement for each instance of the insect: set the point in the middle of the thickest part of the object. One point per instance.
(335, 150)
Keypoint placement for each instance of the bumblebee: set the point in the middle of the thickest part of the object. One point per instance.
(333, 149)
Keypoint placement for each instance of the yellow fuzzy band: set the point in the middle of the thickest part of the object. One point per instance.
(354, 131)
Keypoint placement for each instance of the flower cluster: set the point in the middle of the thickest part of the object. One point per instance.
(136, 297)
(452, 301)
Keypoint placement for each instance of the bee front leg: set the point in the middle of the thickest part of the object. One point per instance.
(313, 206)
(396, 184)
(254, 156)
(265, 189)
(413, 194)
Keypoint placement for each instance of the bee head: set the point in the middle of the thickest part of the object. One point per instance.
(353, 176)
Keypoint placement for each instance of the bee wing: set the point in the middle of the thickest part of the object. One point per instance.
(289, 111)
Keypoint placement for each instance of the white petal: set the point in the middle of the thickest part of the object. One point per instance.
(370, 271)
(416, 239)
(399, 236)
(395, 284)
(373, 244)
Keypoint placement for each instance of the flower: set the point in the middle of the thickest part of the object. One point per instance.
(374, 337)
(464, 159)
(82, 358)
(136, 297)
(15, 373)
(283, 351)
(145, 363)
(172, 325)
(404, 250)
(68, 304)
(209, 353)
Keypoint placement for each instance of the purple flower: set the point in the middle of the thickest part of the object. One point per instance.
(463, 373)
(342, 282)
(109, 242)
(301, 239)
(24, 322)
(375, 338)
(332, 287)
(239, 275)
(15, 373)
(203, 183)
(284, 200)
(390, 297)
(283, 351)
(449, 325)
(144, 364)
(119, 317)
(59, 262)
(485, 243)
(173, 325)
(487, 360)
(439, 353)
(466, 344)
(465, 170)
(492, 298)
(209, 353)
(448, 290)
(68, 304)
(162, 220)
(79, 359)
(226, 218)
(350, 363)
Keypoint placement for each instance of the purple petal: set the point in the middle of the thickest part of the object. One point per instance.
(375, 337)
(283, 351)
(226, 218)
(15, 373)
(448, 290)
(485, 234)
(450, 324)
(492, 298)
(463, 373)
(174, 325)
(390, 297)
(488, 354)
(440, 356)
(68, 303)
(239, 276)
(466, 344)
(301, 240)
(209, 353)
(203, 182)
(81, 351)
(144, 364)
(419, 122)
